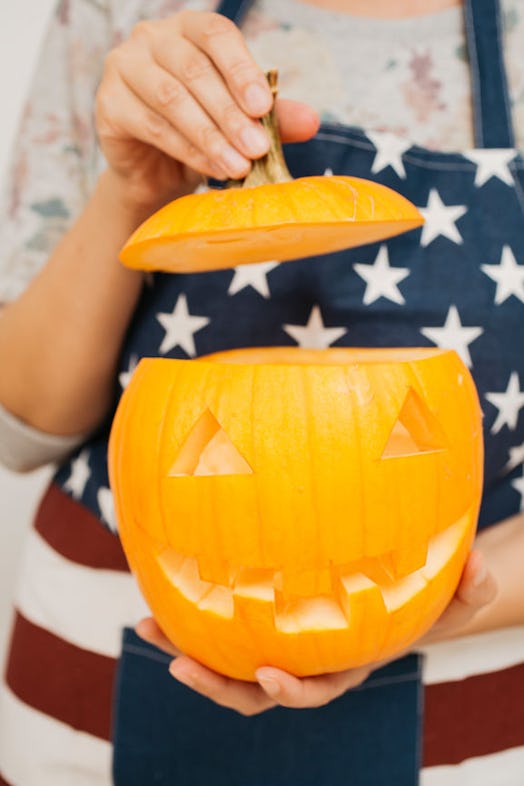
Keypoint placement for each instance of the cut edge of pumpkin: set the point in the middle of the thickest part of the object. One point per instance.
(193, 252)
(304, 615)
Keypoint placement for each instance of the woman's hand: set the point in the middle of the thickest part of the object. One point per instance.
(180, 99)
(276, 687)
(477, 589)
(248, 698)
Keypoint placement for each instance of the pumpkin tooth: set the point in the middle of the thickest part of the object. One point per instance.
(402, 562)
(401, 592)
(308, 614)
(217, 600)
(255, 583)
(254, 597)
(359, 597)
(183, 573)
(376, 569)
(214, 570)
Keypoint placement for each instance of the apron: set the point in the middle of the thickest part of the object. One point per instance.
(457, 282)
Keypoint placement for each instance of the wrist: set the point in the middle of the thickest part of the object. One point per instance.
(132, 207)
(136, 201)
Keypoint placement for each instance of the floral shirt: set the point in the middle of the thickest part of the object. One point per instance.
(407, 76)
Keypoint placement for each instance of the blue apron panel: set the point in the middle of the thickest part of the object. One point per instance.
(167, 735)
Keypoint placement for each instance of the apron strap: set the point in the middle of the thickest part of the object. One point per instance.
(491, 104)
(234, 9)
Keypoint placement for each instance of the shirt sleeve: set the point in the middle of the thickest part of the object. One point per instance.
(55, 163)
(55, 160)
(24, 448)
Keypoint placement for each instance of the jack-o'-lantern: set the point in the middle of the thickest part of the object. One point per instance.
(306, 509)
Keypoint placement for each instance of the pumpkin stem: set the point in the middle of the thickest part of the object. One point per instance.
(271, 168)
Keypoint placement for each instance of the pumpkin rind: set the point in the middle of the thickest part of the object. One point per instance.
(325, 549)
(300, 218)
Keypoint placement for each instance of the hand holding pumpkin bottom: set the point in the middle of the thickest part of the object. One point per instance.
(477, 588)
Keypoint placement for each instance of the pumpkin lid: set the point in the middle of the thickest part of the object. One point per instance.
(301, 218)
(268, 216)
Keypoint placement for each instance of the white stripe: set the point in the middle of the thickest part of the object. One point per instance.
(485, 652)
(36, 750)
(497, 769)
(85, 606)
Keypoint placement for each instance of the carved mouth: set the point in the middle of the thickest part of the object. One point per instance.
(341, 586)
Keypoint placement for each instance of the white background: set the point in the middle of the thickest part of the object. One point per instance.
(22, 24)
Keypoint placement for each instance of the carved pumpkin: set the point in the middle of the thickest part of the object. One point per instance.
(268, 216)
(307, 509)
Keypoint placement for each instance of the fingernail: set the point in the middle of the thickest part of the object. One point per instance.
(481, 575)
(270, 686)
(218, 173)
(186, 679)
(234, 163)
(142, 628)
(254, 140)
(258, 99)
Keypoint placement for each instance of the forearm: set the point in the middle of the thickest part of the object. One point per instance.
(59, 342)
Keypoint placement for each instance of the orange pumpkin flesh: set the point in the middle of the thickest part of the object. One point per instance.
(307, 509)
(235, 226)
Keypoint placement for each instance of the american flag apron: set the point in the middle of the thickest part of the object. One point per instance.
(86, 702)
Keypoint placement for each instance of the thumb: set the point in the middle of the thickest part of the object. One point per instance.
(477, 586)
(298, 122)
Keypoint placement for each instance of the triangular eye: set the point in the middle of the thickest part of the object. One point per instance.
(209, 451)
(416, 430)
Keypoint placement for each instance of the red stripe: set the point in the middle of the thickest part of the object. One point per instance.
(61, 680)
(3, 782)
(474, 717)
(75, 533)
